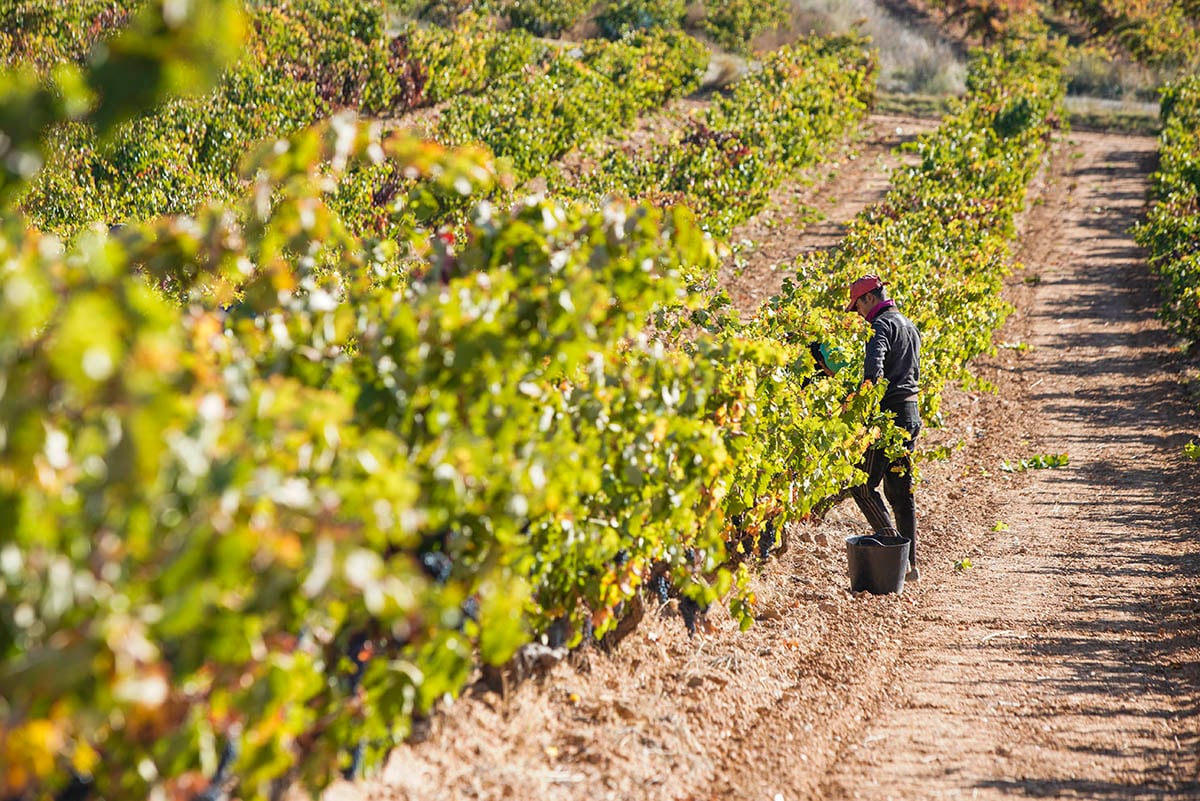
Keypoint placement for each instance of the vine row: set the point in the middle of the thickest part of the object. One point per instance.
(777, 119)
(534, 117)
(1171, 231)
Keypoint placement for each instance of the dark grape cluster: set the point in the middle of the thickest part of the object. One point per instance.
(559, 632)
(78, 789)
(437, 566)
(691, 611)
(766, 539)
(470, 608)
(352, 770)
(660, 587)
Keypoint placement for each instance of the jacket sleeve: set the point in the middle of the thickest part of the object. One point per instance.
(877, 350)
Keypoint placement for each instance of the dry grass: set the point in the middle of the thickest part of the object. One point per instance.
(912, 57)
(1093, 73)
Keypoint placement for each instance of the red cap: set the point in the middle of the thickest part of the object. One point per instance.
(868, 283)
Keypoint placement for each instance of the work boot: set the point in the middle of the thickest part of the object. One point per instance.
(913, 574)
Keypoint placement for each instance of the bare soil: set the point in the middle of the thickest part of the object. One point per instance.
(1063, 663)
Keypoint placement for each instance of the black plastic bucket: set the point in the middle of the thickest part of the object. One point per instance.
(877, 563)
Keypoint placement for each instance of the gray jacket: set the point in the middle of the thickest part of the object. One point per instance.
(894, 353)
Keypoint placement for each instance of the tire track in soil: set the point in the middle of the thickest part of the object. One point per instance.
(1065, 663)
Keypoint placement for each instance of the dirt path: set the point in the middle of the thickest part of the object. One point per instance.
(1065, 663)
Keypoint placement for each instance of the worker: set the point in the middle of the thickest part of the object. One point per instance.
(894, 353)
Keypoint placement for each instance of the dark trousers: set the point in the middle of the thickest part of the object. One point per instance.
(896, 477)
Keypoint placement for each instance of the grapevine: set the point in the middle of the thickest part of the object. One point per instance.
(1171, 231)
(272, 488)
